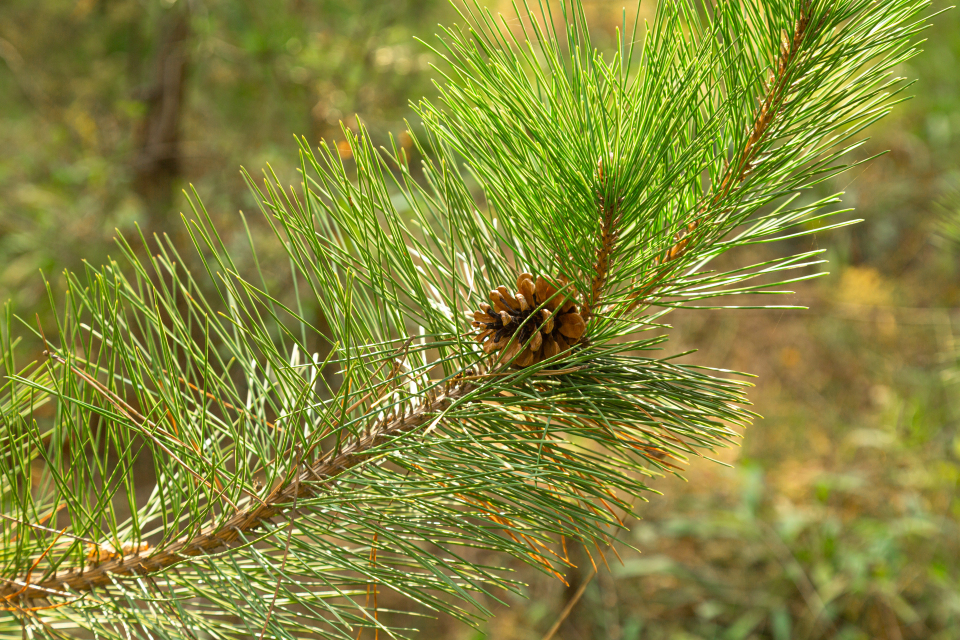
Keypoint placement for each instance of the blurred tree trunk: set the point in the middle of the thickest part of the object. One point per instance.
(158, 163)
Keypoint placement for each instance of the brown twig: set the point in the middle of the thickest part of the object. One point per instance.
(610, 219)
(306, 482)
(738, 171)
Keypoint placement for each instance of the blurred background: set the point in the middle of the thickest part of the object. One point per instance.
(839, 515)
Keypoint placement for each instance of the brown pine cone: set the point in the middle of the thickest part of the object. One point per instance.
(515, 323)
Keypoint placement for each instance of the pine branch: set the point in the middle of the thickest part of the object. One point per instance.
(306, 483)
(386, 468)
(737, 172)
(606, 244)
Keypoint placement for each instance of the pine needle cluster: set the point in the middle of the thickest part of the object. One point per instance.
(294, 484)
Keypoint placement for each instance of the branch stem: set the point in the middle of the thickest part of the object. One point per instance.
(306, 482)
(610, 219)
(737, 172)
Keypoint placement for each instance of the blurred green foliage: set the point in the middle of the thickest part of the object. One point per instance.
(77, 78)
(841, 517)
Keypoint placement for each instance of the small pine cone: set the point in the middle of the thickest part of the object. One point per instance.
(533, 324)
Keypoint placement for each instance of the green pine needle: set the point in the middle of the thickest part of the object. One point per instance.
(312, 452)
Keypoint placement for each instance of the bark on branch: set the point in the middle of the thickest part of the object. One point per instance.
(738, 171)
(306, 482)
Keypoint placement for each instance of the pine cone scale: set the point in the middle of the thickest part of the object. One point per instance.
(533, 324)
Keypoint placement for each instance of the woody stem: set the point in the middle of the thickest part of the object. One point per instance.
(606, 244)
(738, 171)
(305, 483)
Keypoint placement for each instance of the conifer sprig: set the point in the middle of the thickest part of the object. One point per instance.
(782, 73)
(313, 448)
